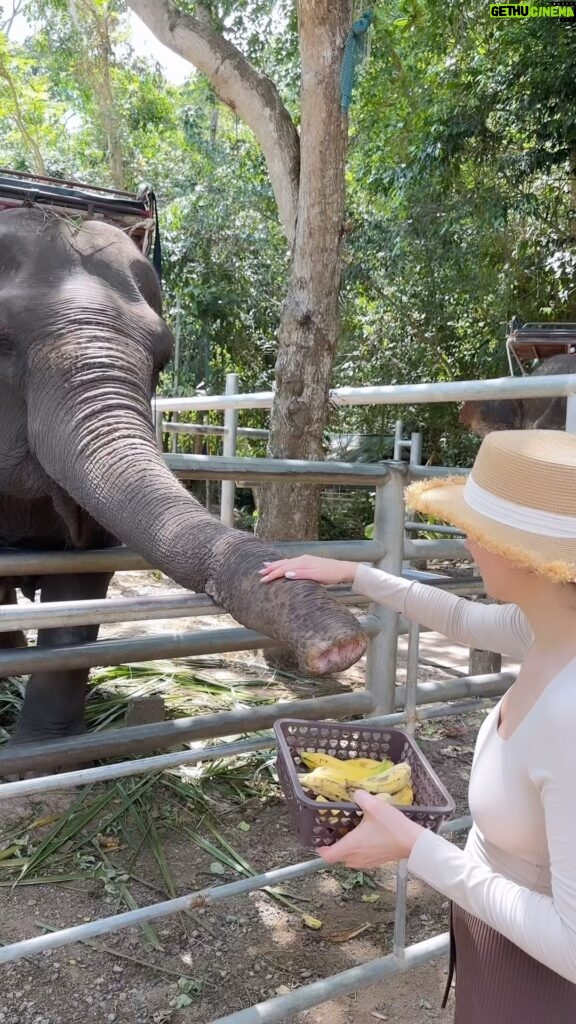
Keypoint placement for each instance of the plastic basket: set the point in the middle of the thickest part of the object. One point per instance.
(321, 824)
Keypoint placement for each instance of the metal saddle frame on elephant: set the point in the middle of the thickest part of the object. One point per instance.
(134, 213)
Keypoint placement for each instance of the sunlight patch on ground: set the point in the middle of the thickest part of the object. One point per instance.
(278, 923)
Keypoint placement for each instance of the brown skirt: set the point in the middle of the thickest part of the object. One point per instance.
(497, 983)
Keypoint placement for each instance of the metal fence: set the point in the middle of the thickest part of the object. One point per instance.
(389, 548)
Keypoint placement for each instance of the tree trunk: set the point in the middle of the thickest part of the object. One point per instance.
(310, 325)
(308, 183)
(94, 67)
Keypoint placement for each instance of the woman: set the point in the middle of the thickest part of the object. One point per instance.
(513, 888)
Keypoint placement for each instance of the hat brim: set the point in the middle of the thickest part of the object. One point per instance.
(550, 557)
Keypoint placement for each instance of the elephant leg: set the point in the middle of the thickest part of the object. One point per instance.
(54, 702)
(15, 638)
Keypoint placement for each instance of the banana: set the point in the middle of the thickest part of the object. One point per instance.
(404, 797)
(329, 784)
(324, 784)
(353, 768)
(394, 779)
(383, 766)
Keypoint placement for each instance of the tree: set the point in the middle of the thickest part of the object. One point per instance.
(22, 103)
(461, 197)
(306, 171)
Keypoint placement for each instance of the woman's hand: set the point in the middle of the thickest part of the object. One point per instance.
(309, 567)
(383, 835)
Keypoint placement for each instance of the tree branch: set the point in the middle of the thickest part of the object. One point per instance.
(251, 95)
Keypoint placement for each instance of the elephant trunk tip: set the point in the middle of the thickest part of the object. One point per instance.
(336, 657)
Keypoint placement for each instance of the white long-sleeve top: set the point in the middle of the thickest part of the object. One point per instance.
(518, 870)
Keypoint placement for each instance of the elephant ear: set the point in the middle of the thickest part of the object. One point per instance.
(553, 417)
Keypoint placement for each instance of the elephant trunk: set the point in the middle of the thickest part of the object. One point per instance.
(90, 428)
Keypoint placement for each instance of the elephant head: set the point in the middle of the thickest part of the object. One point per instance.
(82, 336)
(521, 413)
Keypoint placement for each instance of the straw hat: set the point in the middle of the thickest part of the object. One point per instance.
(519, 500)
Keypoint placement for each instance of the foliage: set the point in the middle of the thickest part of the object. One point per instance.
(461, 188)
(225, 257)
(461, 201)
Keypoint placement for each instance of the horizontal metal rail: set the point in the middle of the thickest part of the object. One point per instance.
(328, 474)
(184, 603)
(121, 559)
(153, 736)
(195, 901)
(426, 712)
(304, 998)
(125, 769)
(423, 472)
(145, 648)
(391, 394)
(451, 531)
(103, 773)
(448, 549)
(140, 739)
(210, 428)
(493, 684)
(160, 735)
(55, 614)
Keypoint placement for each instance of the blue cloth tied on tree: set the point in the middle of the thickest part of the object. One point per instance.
(354, 53)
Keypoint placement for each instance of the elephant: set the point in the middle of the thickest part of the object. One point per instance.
(521, 413)
(82, 343)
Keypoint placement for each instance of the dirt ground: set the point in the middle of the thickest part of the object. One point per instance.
(237, 953)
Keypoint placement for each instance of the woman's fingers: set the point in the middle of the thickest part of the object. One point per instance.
(383, 835)
(299, 568)
(305, 567)
(340, 851)
(278, 570)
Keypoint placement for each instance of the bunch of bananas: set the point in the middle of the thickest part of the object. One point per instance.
(334, 780)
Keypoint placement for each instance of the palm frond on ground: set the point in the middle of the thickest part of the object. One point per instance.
(112, 834)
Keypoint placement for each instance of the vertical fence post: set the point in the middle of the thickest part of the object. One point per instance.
(389, 532)
(571, 414)
(398, 427)
(158, 427)
(228, 487)
(176, 379)
(399, 940)
(416, 449)
(412, 676)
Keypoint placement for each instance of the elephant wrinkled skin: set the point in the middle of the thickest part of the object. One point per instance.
(82, 342)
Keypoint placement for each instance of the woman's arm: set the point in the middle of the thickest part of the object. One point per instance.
(543, 926)
(489, 627)
(501, 628)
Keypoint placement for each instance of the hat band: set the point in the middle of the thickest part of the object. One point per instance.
(519, 517)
